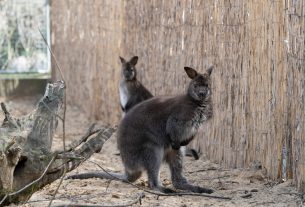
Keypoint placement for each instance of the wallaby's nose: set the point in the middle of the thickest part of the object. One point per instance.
(203, 92)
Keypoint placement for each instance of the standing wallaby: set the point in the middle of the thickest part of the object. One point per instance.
(154, 130)
(131, 90)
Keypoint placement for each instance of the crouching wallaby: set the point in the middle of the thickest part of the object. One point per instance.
(154, 130)
(133, 92)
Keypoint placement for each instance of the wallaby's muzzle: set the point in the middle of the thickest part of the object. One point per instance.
(203, 92)
(129, 74)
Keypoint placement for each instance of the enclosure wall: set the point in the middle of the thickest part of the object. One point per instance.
(256, 46)
(295, 81)
(86, 39)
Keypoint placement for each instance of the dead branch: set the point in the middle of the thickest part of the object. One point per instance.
(53, 56)
(64, 111)
(138, 199)
(248, 195)
(8, 121)
(56, 167)
(84, 138)
(207, 169)
(25, 148)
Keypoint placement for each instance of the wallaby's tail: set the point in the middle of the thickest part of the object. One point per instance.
(195, 154)
(101, 175)
(192, 153)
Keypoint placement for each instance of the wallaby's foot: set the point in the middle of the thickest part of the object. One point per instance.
(154, 185)
(164, 190)
(168, 190)
(194, 188)
(198, 189)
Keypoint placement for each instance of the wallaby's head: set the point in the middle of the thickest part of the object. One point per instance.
(129, 71)
(200, 85)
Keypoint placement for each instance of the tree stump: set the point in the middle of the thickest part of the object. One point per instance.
(26, 158)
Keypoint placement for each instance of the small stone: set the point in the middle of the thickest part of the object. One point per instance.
(115, 195)
(166, 182)
(143, 183)
(83, 185)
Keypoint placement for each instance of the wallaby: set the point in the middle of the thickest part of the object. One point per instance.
(133, 92)
(154, 130)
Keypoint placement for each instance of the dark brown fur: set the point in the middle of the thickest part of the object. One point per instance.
(131, 90)
(155, 129)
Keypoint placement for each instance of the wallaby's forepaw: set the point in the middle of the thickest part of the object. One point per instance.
(198, 189)
(175, 146)
(195, 154)
(192, 153)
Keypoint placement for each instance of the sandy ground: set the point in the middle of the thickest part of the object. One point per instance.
(233, 183)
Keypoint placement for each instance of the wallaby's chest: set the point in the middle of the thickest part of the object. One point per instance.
(190, 126)
(124, 94)
(190, 130)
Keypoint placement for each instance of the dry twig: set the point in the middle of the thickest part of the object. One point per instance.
(137, 200)
(64, 114)
(248, 195)
(84, 137)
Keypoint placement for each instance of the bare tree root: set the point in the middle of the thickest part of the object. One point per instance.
(26, 160)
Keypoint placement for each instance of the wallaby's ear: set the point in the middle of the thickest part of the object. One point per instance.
(192, 73)
(133, 61)
(209, 70)
(122, 60)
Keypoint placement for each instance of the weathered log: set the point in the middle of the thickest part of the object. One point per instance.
(26, 160)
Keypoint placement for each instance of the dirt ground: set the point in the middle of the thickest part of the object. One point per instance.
(234, 183)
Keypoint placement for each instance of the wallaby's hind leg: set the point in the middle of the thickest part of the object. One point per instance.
(152, 165)
(175, 161)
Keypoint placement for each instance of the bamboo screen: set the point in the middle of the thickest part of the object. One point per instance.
(256, 46)
(86, 39)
